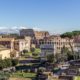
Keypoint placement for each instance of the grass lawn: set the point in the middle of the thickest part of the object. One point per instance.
(28, 64)
(77, 78)
(22, 58)
(23, 75)
(37, 50)
(20, 79)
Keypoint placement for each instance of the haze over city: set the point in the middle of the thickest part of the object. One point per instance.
(56, 16)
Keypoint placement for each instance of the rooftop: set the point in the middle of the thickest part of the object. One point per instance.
(6, 39)
(3, 48)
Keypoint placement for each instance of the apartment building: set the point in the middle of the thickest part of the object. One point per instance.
(16, 44)
(4, 52)
(22, 44)
(8, 43)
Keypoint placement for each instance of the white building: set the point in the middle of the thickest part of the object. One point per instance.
(28, 42)
(4, 52)
(22, 44)
(47, 49)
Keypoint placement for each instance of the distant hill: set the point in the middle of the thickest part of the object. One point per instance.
(8, 31)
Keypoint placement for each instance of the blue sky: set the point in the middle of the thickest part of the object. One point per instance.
(56, 16)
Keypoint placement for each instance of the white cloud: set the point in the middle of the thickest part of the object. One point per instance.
(22, 27)
(15, 29)
(37, 29)
(3, 27)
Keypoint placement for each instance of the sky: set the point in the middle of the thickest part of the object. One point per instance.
(56, 16)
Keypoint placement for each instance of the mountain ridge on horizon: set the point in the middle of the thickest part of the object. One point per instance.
(5, 30)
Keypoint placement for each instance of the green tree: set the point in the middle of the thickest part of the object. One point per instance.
(64, 56)
(15, 62)
(57, 57)
(1, 64)
(75, 33)
(34, 54)
(69, 35)
(69, 56)
(50, 58)
(8, 62)
(5, 63)
(25, 51)
(32, 49)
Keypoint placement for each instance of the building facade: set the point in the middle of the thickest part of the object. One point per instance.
(27, 32)
(4, 52)
(22, 44)
(58, 42)
(47, 49)
(61, 42)
(8, 43)
(19, 45)
(16, 44)
(77, 43)
(41, 34)
(34, 34)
